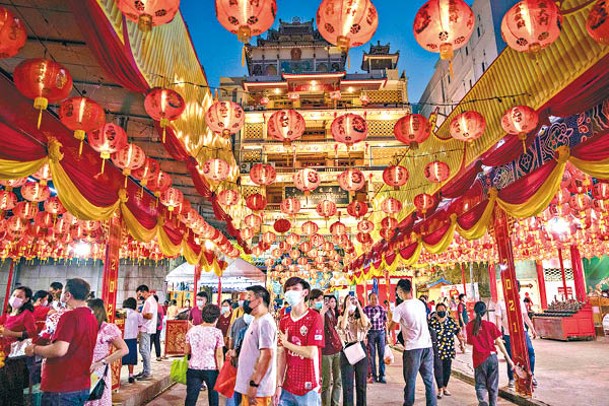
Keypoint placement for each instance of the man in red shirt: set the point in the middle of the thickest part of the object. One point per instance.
(301, 338)
(65, 371)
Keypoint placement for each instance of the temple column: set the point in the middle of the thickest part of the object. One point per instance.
(578, 274)
(492, 276)
(563, 274)
(111, 264)
(541, 282)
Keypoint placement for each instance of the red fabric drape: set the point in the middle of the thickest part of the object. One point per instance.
(17, 147)
(593, 149)
(505, 151)
(524, 188)
(436, 236)
(468, 219)
(143, 206)
(461, 184)
(408, 251)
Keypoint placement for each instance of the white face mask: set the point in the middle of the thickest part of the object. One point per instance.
(225, 309)
(240, 302)
(199, 303)
(15, 302)
(352, 308)
(247, 318)
(293, 297)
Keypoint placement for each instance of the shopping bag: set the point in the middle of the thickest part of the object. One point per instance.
(179, 367)
(354, 352)
(225, 384)
(389, 357)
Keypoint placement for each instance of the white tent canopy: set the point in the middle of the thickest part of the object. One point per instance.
(237, 276)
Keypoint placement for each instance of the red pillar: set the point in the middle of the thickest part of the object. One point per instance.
(197, 276)
(562, 274)
(520, 355)
(492, 276)
(541, 281)
(219, 291)
(9, 285)
(578, 274)
(111, 263)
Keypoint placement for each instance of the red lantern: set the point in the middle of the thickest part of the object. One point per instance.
(246, 18)
(412, 130)
(357, 209)
(386, 233)
(43, 219)
(436, 171)
(363, 238)
(246, 233)
(326, 209)
(35, 192)
(282, 226)
(349, 129)
(389, 223)
(107, 140)
(253, 221)
(467, 126)
(443, 26)
(424, 203)
(81, 115)
(365, 226)
(391, 205)
(306, 247)
(150, 13)
(12, 34)
(309, 228)
(172, 198)
(600, 191)
(286, 126)
(317, 240)
(43, 174)
(128, 159)
(164, 105)
(216, 169)
(148, 171)
(43, 81)
(228, 197)
(159, 183)
(255, 202)
(346, 23)
(225, 118)
(307, 180)
(263, 174)
(25, 210)
(598, 23)
(338, 228)
(580, 202)
(268, 237)
(520, 121)
(290, 206)
(293, 239)
(395, 176)
(11, 184)
(531, 25)
(8, 200)
(351, 180)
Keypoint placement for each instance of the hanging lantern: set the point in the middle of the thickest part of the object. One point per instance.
(12, 34)
(128, 159)
(171, 198)
(148, 171)
(531, 25)
(228, 197)
(598, 23)
(268, 237)
(150, 13)
(600, 191)
(246, 18)
(35, 192)
(520, 121)
(11, 184)
(164, 105)
(43, 219)
(255, 202)
(286, 126)
(225, 118)
(467, 126)
(43, 174)
(389, 223)
(293, 239)
(412, 130)
(306, 247)
(345, 23)
(391, 205)
(386, 233)
(246, 233)
(264, 100)
(309, 228)
(290, 206)
(294, 254)
(263, 174)
(351, 180)
(216, 169)
(317, 240)
(424, 203)
(364, 238)
(282, 226)
(326, 209)
(580, 202)
(81, 115)
(338, 228)
(306, 180)
(253, 221)
(436, 171)
(349, 129)
(159, 183)
(395, 176)
(8, 200)
(107, 140)
(357, 209)
(365, 226)
(443, 26)
(25, 210)
(43, 81)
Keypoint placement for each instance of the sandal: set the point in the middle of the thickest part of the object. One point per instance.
(447, 393)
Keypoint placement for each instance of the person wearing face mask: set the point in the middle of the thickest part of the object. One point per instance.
(445, 328)
(238, 311)
(301, 338)
(331, 382)
(41, 306)
(150, 315)
(237, 333)
(316, 300)
(224, 321)
(55, 290)
(17, 325)
(201, 300)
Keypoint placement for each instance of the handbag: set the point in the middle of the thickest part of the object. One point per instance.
(225, 384)
(179, 367)
(18, 348)
(354, 352)
(99, 387)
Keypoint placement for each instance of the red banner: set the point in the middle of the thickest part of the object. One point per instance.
(9, 285)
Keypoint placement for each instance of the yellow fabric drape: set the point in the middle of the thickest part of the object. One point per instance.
(446, 239)
(597, 169)
(167, 247)
(16, 169)
(138, 232)
(479, 229)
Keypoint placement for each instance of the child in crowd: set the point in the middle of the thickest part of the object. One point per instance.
(133, 322)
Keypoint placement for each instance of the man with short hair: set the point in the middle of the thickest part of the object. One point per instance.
(65, 371)
(316, 300)
(150, 315)
(55, 290)
(195, 313)
(256, 373)
(301, 338)
(377, 336)
(418, 353)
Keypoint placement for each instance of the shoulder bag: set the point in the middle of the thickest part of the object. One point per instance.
(98, 389)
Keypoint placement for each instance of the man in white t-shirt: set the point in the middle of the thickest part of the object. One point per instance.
(150, 315)
(418, 353)
(257, 370)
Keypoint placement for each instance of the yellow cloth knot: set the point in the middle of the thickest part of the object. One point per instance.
(160, 221)
(453, 217)
(564, 153)
(492, 193)
(54, 148)
(122, 195)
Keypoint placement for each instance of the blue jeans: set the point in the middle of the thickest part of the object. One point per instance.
(421, 361)
(531, 350)
(65, 398)
(348, 372)
(487, 381)
(311, 398)
(145, 351)
(234, 401)
(194, 380)
(376, 341)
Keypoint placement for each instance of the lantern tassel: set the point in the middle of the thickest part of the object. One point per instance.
(80, 148)
(39, 119)
(126, 178)
(103, 166)
(450, 68)
(524, 146)
(243, 55)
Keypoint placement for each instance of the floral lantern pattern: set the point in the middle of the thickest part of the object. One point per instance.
(357, 209)
(326, 209)
(306, 180)
(25, 209)
(347, 23)
(309, 228)
(35, 192)
(391, 205)
(228, 197)
(282, 226)
(263, 174)
(290, 206)
(598, 22)
(225, 118)
(171, 198)
(12, 34)
(43, 81)
(467, 126)
(520, 121)
(436, 171)
(531, 25)
(216, 169)
(349, 129)
(286, 126)
(395, 176)
(148, 171)
(443, 26)
(412, 130)
(150, 13)
(351, 180)
(246, 18)
(164, 105)
(255, 202)
(81, 115)
(107, 140)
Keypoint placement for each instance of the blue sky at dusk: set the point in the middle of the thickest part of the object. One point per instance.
(220, 51)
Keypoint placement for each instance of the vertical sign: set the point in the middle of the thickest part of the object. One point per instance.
(9, 285)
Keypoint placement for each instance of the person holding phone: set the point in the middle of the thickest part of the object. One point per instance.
(377, 336)
(331, 384)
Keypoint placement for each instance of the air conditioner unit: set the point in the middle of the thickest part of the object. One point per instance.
(245, 167)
